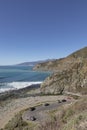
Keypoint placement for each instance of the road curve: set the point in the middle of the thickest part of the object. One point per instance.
(40, 112)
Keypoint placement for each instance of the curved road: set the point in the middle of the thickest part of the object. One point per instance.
(40, 112)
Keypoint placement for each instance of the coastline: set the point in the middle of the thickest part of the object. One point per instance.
(22, 92)
(9, 86)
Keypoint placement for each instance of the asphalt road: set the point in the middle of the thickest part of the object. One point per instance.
(40, 113)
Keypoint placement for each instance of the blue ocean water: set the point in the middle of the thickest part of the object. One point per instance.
(16, 77)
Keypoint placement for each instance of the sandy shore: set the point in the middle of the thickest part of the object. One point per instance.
(15, 105)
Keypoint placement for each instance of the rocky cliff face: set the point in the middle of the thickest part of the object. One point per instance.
(73, 79)
(70, 74)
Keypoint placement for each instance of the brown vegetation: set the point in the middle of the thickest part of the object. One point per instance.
(73, 117)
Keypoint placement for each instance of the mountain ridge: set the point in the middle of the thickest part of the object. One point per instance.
(33, 63)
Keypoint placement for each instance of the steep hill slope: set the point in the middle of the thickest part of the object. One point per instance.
(80, 53)
(73, 79)
(70, 74)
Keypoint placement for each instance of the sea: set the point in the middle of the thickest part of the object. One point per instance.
(17, 77)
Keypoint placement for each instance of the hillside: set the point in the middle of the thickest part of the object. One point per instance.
(80, 53)
(70, 74)
(73, 79)
(63, 63)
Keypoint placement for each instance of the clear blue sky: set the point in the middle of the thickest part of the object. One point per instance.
(33, 30)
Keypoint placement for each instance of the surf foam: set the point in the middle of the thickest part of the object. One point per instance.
(16, 85)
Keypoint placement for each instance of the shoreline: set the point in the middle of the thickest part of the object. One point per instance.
(16, 85)
(18, 92)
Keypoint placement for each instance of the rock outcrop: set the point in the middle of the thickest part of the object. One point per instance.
(73, 79)
(70, 74)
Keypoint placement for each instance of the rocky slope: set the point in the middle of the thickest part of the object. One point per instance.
(70, 74)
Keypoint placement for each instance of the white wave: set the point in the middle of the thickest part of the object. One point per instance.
(16, 85)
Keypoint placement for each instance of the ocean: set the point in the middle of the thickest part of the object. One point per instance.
(16, 77)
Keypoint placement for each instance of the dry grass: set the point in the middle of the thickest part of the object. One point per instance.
(72, 118)
(52, 125)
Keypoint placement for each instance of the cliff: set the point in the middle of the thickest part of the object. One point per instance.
(70, 74)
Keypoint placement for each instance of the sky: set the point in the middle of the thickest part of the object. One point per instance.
(32, 30)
